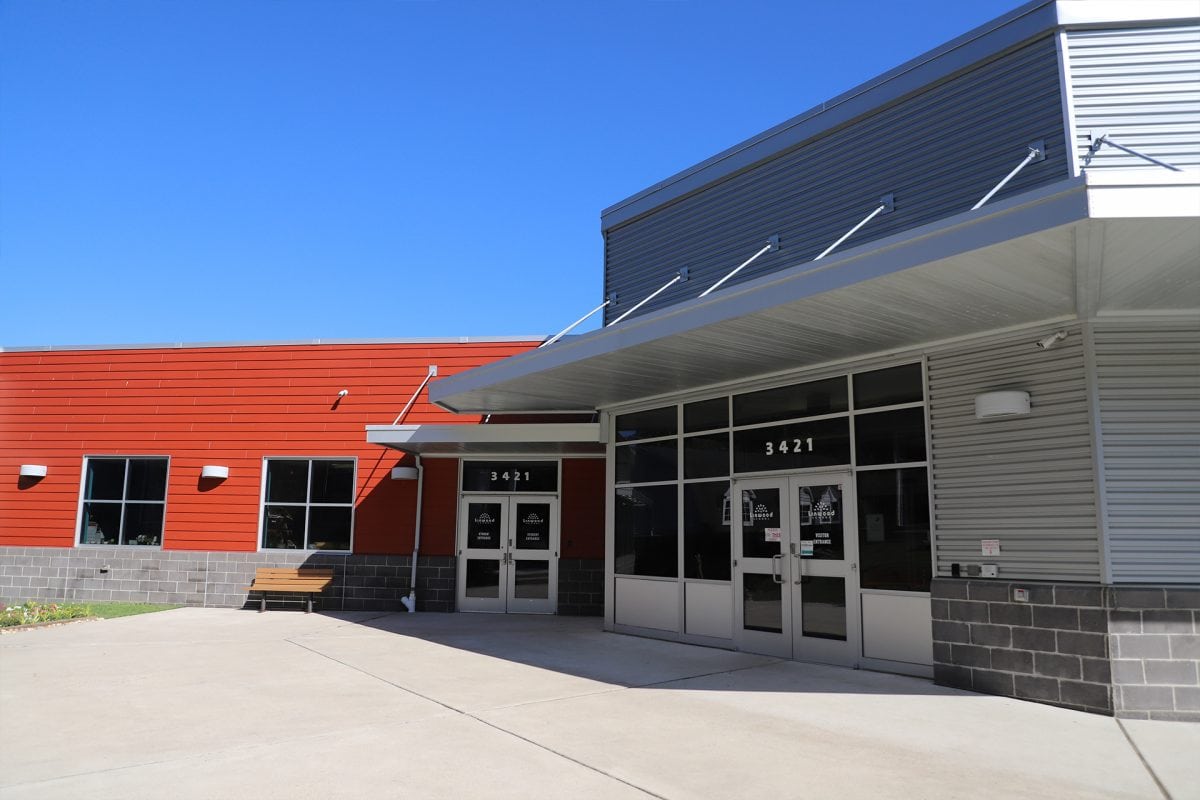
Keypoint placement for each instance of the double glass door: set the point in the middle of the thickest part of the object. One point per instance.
(796, 571)
(508, 554)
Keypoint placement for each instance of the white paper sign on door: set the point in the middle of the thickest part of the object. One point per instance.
(773, 534)
(806, 547)
(989, 547)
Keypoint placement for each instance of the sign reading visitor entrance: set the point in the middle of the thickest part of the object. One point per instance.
(510, 476)
(820, 512)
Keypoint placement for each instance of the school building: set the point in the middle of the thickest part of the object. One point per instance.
(908, 382)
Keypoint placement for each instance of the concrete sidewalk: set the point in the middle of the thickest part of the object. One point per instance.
(214, 703)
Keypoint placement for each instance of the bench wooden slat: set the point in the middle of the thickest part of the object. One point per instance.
(310, 581)
(287, 587)
(303, 572)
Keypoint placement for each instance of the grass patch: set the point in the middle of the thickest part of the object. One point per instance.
(113, 610)
(33, 612)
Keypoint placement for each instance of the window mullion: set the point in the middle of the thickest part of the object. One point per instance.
(308, 504)
(124, 501)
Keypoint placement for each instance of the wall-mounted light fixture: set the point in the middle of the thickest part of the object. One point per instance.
(991, 405)
(214, 472)
(33, 470)
(404, 473)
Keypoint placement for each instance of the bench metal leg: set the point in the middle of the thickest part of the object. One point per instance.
(262, 604)
(309, 609)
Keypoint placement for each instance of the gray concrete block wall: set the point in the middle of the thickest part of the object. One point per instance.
(581, 587)
(1155, 639)
(151, 575)
(1052, 649)
(1129, 651)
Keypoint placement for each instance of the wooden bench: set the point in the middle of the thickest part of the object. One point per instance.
(308, 581)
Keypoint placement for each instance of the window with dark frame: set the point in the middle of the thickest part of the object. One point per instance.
(308, 504)
(124, 501)
(660, 463)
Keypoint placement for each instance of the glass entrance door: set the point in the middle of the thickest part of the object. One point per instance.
(508, 554)
(796, 571)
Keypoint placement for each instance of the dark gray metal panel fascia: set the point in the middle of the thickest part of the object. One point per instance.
(936, 152)
(1041, 209)
(1017, 26)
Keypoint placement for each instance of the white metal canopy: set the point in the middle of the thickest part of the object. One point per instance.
(554, 438)
(1087, 246)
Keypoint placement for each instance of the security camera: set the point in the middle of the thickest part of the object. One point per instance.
(1051, 340)
(343, 392)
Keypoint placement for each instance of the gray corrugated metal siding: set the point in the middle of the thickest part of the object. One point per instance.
(1149, 386)
(937, 151)
(1142, 87)
(1027, 481)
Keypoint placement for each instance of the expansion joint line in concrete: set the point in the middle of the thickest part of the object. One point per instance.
(480, 720)
(705, 675)
(1145, 763)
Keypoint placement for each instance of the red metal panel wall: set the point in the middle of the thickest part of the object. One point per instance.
(439, 511)
(215, 405)
(582, 512)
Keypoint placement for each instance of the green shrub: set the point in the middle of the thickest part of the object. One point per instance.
(33, 612)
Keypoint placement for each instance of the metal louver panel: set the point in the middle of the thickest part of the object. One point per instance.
(938, 150)
(1149, 384)
(1027, 481)
(1141, 86)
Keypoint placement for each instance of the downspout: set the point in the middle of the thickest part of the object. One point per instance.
(410, 602)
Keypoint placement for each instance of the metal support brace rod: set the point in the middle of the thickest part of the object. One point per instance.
(1035, 153)
(659, 291)
(1102, 140)
(882, 207)
(572, 326)
(773, 243)
(432, 371)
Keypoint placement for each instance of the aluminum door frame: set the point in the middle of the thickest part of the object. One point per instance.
(848, 652)
(789, 567)
(549, 604)
(505, 553)
(776, 566)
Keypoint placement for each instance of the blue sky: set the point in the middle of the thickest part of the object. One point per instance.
(233, 170)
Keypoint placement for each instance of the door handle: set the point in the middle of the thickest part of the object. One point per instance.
(777, 574)
(799, 579)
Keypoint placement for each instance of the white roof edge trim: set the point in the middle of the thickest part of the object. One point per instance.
(526, 433)
(1107, 12)
(53, 348)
